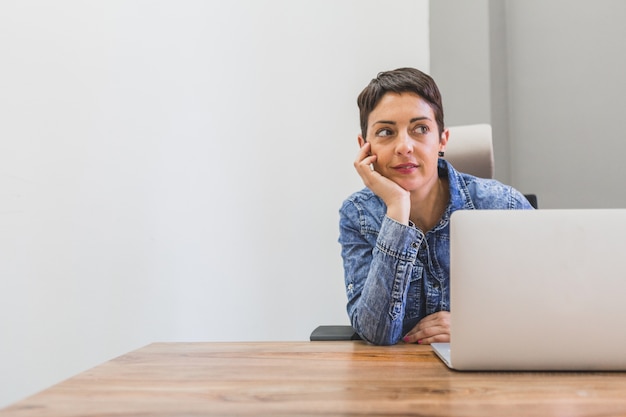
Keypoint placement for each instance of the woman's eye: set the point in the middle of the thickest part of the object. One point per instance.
(384, 133)
(421, 129)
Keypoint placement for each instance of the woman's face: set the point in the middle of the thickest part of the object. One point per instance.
(405, 138)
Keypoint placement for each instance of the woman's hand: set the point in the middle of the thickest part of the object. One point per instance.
(432, 328)
(396, 198)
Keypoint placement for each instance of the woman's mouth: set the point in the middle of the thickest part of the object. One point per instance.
(406, 168)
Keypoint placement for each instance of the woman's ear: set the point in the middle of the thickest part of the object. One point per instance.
(443, 140)
(361, 141)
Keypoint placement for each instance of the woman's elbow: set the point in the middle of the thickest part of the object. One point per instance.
(375, 335)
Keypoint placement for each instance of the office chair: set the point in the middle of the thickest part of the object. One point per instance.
(469, 150)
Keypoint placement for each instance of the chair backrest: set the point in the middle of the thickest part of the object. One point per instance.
(470, 150)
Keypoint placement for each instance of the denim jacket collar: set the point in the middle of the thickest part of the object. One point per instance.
(459, 193)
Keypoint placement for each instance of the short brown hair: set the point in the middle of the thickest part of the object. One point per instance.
(401, 80)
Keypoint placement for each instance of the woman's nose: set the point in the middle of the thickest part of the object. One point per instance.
(404, 144)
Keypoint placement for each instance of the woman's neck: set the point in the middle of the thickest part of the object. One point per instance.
(427, 209)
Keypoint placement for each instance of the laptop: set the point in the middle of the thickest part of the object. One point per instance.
(537, 290)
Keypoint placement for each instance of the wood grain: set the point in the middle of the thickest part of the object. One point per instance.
(316, 378)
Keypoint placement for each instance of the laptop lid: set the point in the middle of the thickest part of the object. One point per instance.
(538, 289)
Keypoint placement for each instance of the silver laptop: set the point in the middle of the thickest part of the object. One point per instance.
(537, 290)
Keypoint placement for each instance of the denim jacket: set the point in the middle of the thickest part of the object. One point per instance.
(395, 275)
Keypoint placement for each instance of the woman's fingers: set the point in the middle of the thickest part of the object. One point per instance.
(432, 328)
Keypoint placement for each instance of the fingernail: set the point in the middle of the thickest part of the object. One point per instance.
(405, 339)
(419, 342)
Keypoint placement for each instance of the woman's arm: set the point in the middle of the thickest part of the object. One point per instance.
(377, 274)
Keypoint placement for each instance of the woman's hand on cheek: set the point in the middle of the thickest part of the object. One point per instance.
(363, 164)
(395, 197)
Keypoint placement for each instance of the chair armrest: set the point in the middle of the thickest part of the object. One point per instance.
(328, 333)
(532, 199)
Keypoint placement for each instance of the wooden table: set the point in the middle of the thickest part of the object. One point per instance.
(316, 378)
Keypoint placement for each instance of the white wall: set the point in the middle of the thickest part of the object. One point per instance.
(557, 92)
(459, 58)
(172, 170)
(469, 62)
(567, 61)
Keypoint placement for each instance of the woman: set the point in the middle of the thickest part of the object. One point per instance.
(395, 232)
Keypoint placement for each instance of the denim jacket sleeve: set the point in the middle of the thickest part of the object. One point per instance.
(377, 267)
